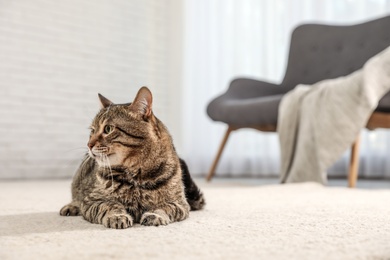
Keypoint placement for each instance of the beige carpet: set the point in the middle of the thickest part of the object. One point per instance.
(294, 221)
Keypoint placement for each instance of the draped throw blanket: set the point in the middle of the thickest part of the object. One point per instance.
(317, 123)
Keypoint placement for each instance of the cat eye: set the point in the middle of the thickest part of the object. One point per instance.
(108, 129)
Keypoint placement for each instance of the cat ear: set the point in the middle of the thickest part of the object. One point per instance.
(104, 101)
(142, 103)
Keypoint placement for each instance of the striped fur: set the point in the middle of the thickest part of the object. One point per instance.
(132, 173)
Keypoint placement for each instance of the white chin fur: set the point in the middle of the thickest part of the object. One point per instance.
(104, 161)
(99, 161)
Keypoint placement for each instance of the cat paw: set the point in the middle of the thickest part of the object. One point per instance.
(118, 221)
(153, 219)
(70, 210)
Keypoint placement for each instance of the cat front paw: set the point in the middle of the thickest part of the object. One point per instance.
(70, 210)
(118, 221)
(154, 219)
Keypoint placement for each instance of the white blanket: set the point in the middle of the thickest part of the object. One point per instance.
(318, 123)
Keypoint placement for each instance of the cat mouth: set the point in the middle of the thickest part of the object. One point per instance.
(99, 153)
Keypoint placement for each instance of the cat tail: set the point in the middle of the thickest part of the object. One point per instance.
(193, 194)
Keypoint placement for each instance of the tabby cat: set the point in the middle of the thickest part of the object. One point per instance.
(132, 173)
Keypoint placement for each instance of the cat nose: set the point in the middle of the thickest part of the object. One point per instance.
(90, 145)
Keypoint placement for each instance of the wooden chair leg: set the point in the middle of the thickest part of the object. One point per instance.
(354, 164)
(221, 147)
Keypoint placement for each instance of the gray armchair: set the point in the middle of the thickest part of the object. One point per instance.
(317, 52)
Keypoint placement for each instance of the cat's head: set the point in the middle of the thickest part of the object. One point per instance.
(127, 134)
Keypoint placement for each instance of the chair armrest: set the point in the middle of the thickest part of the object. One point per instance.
(251, 88)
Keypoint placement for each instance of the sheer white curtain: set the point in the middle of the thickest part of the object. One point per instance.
(224, 39)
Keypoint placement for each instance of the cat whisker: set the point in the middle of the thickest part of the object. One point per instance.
(110, 171)
(112, 177)
(77, 148)
(87, 158)
(85, 161)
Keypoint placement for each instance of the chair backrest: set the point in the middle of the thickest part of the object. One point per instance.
(320, 52)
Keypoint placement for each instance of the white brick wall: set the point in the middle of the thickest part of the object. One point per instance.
(55, 56)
